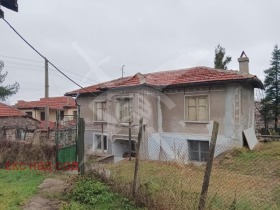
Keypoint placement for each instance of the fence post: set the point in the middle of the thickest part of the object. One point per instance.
(205, 185)
(57, 140)
(129, 140)
(81, 147)
(134, 187)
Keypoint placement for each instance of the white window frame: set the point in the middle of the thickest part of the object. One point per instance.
(104, 111)
(186, 111)
(199, 150)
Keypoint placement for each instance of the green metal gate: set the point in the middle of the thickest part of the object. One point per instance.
(66, 140)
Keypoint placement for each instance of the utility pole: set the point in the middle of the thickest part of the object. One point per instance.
(122, 70)
(46, 78)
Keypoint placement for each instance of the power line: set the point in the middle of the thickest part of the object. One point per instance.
(24, 59)
(38, 69)
(22, 64)
(39, 66)
(44, 56)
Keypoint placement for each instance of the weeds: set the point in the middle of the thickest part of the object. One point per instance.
(90, 193)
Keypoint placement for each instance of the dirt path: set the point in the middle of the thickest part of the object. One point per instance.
(48, 194)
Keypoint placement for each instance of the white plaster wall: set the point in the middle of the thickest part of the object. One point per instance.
(174, 147)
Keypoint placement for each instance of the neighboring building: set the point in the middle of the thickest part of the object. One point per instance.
(177, 106)
(64, 105)
(15, 124)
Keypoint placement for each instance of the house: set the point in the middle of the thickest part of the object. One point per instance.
(178, 108)
(15, 124)
(65, 106)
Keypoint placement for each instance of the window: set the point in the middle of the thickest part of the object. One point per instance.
(20, 134)
(29, 113)
(196, 108)
(42, 116)
(125, 110)
(133, 146)
(98, 140)
(198, 150)
(75, 113)
(61, 115)
(100, 111)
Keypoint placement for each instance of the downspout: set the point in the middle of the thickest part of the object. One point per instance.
(159, 115)
(159, 126)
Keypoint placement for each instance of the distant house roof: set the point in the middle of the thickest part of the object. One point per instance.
(56, 103)
(189, 76)
(9, 111)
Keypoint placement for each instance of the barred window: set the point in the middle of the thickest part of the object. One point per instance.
(198, 150)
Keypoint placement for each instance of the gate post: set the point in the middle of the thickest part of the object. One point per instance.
(81, 146)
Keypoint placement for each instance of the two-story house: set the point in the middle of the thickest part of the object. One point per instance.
(64, 105)
(177, 107)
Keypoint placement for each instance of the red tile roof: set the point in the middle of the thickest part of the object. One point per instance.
(196, 75)
(57, 103)
(8, 111)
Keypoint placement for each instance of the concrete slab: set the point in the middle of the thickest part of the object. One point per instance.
(251, 138)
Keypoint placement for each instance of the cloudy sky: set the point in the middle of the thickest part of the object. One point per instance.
(90, 40)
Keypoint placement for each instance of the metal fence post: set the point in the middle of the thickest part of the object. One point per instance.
(81, 149)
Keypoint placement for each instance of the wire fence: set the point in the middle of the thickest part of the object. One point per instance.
(171, 176)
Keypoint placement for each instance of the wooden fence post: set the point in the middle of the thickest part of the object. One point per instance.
(205, 185)
(134, 187)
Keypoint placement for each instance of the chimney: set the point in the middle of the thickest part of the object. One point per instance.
(243, 63)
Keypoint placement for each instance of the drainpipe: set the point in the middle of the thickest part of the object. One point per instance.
(159, 114)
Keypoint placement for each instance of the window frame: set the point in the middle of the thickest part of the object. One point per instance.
(96, 137)
(199, 151)
(42, 116)
(20, 134)
(61, 114)
(196, 96)
(130, 112)
(29, 113)
(104, 112)
(75, 115)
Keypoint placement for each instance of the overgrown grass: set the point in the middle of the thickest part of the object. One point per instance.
(89, 193)
(243, 180)
(266, 159)
(17, 186)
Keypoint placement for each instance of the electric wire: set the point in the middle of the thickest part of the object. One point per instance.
(41, 66)
(44, 56)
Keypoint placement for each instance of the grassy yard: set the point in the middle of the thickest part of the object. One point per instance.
(90, 193)
(242, 179)
(17, 186)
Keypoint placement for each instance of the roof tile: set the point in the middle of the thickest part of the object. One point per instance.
(53, 103)
(174, 77)
(9, 111)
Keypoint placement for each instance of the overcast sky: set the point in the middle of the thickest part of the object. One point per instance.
(90, 40)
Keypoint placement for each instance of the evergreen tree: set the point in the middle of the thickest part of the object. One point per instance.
(272, 87)
(8, 90)
(221, 61)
